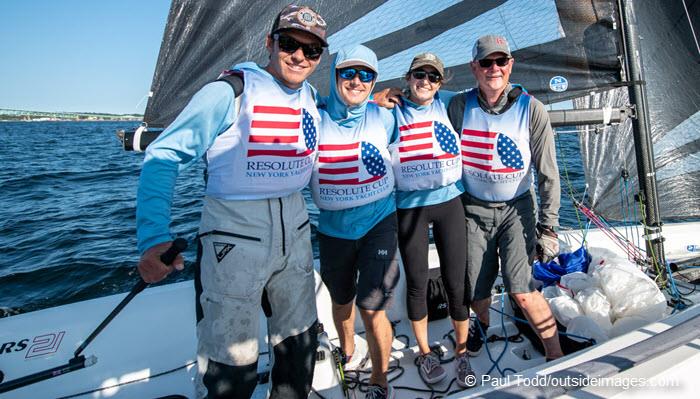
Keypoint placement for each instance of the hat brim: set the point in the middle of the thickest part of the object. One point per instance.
(507, 54)
(323, 42)
(421, 64)
(355, 62)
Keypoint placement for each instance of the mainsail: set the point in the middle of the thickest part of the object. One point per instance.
(672, 77)
(563, 48)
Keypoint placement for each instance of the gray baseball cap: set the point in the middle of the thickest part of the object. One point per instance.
(489, 44)
(302, 18)
(428, 59)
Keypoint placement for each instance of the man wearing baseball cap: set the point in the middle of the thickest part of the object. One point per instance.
(254, 244)
(504, 132)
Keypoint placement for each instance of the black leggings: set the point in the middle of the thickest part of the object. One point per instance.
(450, 236)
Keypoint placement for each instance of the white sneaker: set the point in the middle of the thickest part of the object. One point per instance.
(356, 361)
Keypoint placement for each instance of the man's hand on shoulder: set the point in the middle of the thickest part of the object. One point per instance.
(388, 98)
(151, 269)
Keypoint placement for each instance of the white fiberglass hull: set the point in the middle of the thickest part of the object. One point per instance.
(148, 351)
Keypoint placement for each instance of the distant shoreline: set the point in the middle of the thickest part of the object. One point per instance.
(15, 115)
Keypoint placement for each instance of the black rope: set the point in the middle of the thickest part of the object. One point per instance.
(407, 344)
(361, 383)
(511, 338)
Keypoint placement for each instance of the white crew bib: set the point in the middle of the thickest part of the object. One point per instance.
(269, 150)
(353, 167)
(427, 155)
(496, 150)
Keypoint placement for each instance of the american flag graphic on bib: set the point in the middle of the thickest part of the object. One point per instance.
(274, 131)
(491, 151)
(426, 141)
(350, 164)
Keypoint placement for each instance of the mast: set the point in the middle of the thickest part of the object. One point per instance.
(644, 154)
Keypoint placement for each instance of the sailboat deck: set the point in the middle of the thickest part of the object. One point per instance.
(403, 375)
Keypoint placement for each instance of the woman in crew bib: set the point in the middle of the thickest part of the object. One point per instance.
(428, 169)
(353, 186)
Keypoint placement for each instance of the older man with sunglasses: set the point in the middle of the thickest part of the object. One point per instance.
(504, 132)
(257, 129)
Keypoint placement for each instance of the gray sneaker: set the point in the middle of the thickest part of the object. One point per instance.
(466, 378)
(378, 392)
(430, 369)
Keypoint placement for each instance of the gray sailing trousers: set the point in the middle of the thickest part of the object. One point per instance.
(248, 247)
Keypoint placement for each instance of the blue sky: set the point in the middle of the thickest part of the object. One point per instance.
(79, 55)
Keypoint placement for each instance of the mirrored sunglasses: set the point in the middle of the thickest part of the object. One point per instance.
(349, 74)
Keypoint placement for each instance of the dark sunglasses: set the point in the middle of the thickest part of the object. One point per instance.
(487, 62)
(349, 74)
(421, 74)
(289, 45)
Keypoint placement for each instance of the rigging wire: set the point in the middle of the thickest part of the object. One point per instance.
(630, 242)
(570, 186)
(687, 280)
(618, 239)
(359, 379)
(633, 249)
(121, 384)
(637, 235)
(628, 210)
(623, 210)
(690, 22)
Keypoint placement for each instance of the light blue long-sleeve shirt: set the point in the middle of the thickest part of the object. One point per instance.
(209, 113)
